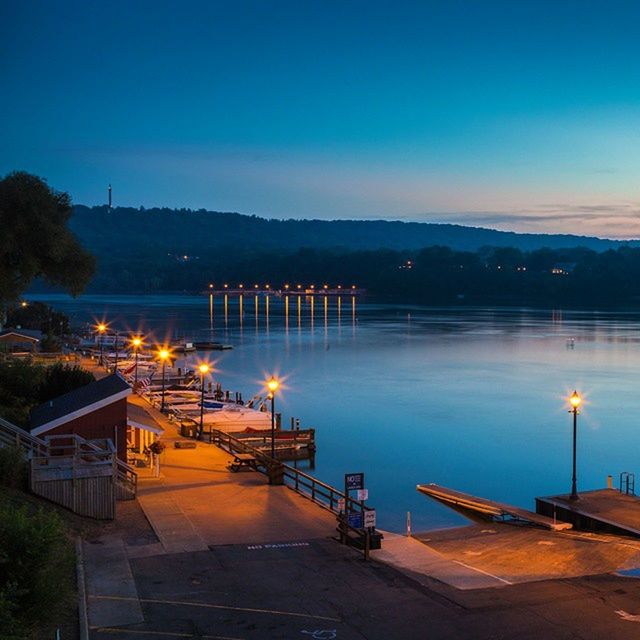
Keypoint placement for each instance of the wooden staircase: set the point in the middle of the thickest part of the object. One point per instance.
(86, 476)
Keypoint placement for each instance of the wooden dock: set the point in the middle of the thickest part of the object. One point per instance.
(489, 508)
(603, 510)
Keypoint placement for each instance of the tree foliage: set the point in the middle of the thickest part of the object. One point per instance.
(35, 554)
(36, 241)
(24, 385)
(38, 316)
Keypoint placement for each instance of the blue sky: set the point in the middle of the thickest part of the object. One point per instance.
(513, 115)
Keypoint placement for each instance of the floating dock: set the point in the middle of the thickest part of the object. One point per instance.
(489, 508)
(603, 510)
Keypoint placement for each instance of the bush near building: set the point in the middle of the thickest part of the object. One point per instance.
(24, 385)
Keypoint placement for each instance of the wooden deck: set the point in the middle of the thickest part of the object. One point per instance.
(489, 508)
(603, 510)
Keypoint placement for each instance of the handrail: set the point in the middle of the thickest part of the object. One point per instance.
(319, 492)
(10, 434)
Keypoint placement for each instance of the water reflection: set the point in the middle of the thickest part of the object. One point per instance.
(471, 398)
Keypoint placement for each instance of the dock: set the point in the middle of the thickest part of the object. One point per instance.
(489, 508)
(602, 510)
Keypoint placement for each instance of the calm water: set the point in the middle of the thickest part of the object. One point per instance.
(468, 398)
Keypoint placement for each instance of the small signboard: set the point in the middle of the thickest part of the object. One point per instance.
(355, 520)
(354, 481)
(363, 494)
(370, 518)
(340, 504)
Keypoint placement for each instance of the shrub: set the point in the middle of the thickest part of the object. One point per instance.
(35, 562)
(59, 379)
(157, 447)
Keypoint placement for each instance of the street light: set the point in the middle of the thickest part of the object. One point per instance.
(163, 356)
(204, 368)
(273, 384)
(575, 401)
(101, 328)
(136, 342)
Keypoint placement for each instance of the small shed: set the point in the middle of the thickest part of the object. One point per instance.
(96, 411)
(19, 339)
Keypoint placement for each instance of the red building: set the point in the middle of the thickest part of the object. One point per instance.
(96, 411)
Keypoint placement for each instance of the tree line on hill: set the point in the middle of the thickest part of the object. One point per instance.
(433, 275)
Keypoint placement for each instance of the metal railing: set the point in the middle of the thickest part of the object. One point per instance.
(306, 485)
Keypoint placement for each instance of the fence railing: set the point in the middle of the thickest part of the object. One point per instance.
(303, 483)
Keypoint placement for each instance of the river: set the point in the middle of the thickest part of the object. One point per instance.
(470, 398)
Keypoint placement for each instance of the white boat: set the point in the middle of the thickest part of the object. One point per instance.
(236, 418)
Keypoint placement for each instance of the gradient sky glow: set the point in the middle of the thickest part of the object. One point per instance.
(512, 115)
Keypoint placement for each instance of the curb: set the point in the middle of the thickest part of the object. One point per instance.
(83, 620)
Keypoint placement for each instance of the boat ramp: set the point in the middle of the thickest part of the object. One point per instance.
(489, 508)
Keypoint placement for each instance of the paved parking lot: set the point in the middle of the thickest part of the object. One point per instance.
(319, 589)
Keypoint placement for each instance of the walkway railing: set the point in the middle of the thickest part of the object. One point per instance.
(319, 492)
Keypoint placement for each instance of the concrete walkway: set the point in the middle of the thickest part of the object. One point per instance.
(417, 560)
(197, 502)
(110, 587)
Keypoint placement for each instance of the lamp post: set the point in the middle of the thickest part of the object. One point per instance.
(101, 330)
(204, 369)
(115, 368)
(574, 400)
(136, 342)
(273, 385)
(163, 355)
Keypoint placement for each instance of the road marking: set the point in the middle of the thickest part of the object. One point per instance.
(486, 573)
(280, 545)
(170, 634)
(629, 617)
(322, 634)
(206, 605)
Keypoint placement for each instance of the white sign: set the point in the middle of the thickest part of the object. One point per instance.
(369, 518)
(363, 494)
(340, 504)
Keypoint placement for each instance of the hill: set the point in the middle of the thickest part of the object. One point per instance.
(183, 231)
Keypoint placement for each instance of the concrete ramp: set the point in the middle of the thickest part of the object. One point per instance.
(416, 559)
(485, 507)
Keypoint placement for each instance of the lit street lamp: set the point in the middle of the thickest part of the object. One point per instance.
(115, 368)
(163, 356)
(204, 368)
(273, 385)
(574, 400)
(101, 330)
(136, 342)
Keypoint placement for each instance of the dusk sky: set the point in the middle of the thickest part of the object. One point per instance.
(513, 115)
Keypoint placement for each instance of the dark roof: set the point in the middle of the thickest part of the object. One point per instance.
(77, 399)
(27, 333)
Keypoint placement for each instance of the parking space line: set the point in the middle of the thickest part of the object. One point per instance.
(205, 605)
(169, 634)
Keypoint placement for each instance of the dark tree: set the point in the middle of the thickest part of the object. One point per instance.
(39, 316)
(36, 241)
